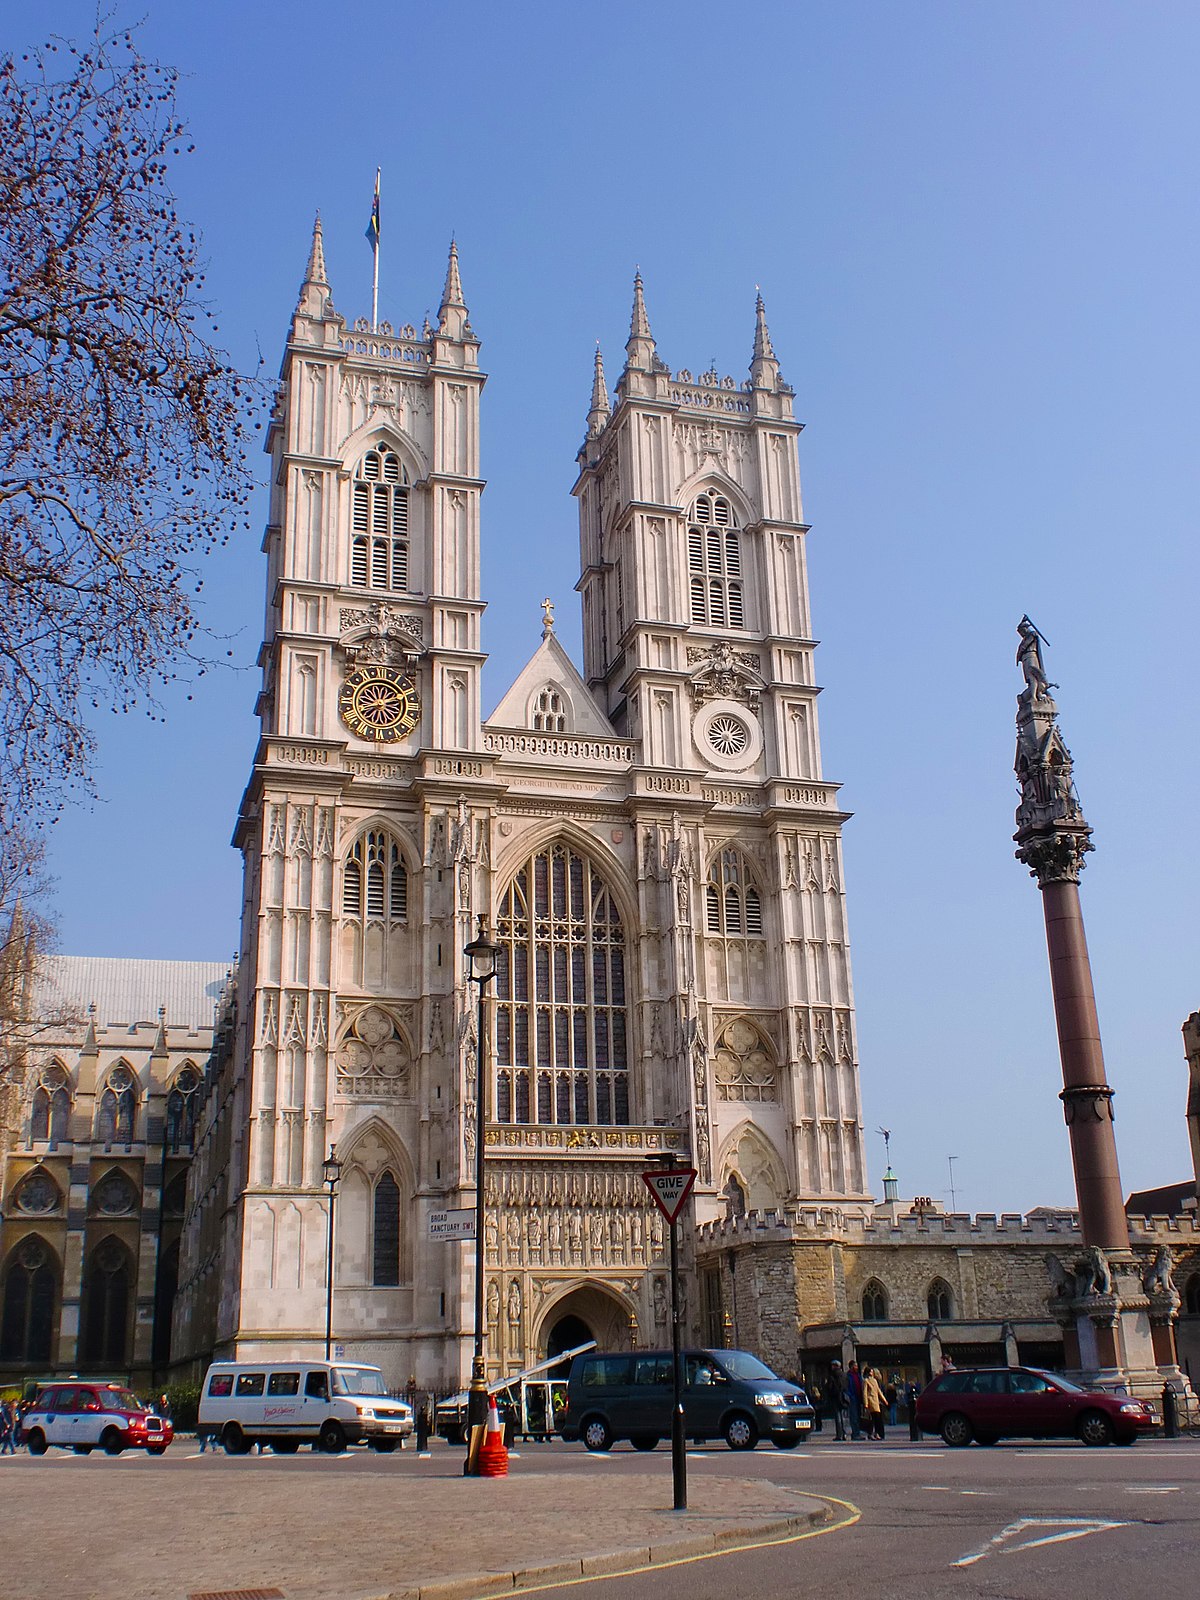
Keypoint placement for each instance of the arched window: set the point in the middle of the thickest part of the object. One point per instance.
(732, 902)
(379, 522)
(106, 1296)
(561, 1050)
(183, 1107)
(30, 1291)
(549, 712)
(51, 1112)
(375, 880)
(1191, 1295)
(114, 1125)
(385, 1232)
(715, 563)
(874, 1302)
(939, 1301)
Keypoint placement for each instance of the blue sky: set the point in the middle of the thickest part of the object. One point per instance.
(975, 228)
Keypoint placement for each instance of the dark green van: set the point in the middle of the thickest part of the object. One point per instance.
(727, 1394)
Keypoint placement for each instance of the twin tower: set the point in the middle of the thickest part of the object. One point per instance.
(652, 840)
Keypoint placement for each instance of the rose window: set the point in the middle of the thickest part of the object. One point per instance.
(114, 1196)
(728, 735)
(38, 1194)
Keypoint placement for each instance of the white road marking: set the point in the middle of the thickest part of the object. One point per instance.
(1153, 1488)
(937, 1488)
(1070, 1528)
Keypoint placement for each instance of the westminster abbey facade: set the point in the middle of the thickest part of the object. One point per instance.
(652, 841)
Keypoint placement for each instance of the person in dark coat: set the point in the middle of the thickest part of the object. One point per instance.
(854, 1399)
(835, 1399)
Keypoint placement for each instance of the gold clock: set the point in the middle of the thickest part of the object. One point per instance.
(380, 704)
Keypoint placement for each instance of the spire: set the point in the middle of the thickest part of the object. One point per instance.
(452, 313)
(315, 272)
(640, 350)
(600, 411)
(764, 368)
(314, 290)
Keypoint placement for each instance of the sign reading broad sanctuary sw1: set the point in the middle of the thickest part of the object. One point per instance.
(452, 1224)
(670, 1187)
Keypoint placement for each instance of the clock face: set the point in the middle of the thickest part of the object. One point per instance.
(380, 704)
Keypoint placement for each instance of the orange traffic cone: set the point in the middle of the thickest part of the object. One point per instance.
(493, 1457)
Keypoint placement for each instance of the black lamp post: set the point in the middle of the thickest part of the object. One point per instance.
(331, 1171)
(481, 956)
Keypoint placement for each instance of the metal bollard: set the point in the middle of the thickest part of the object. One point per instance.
(423, 1428)
(1170, 1413)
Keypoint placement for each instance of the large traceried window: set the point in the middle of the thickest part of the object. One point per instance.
(107, 1282)
(715, 563)
(939, 1301)
(732, 903)
(549, 712)
(118, 1105)
(375, 880)
(874, 1302)
(379, 522)
(561, 1046)
(30, 1290)
(183, 1107)
(51, 1111)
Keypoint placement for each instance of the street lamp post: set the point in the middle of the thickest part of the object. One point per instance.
(331, 1171)
(481, 955)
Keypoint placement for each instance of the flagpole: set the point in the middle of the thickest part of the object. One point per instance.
(375, 279)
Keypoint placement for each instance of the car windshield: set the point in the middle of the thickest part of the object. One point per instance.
(739, 1365)
(1057, 1382)
(358, 1380)
(121, 1399)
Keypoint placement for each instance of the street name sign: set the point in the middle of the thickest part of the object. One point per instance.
(452, 1224)
(670, 1187)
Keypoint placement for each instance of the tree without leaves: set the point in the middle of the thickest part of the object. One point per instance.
(123, 429)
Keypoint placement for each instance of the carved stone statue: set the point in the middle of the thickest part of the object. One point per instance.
(493, 1303)
(1062, 1284)
(514, 1302)
(1092, 1272)
(1029, 659)
(1158, 1279)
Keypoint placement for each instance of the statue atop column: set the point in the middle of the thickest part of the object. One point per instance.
(1052, 834)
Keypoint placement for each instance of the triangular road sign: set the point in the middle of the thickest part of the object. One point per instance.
(670, 1187)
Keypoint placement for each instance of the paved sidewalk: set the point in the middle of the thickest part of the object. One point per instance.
(404, 1529)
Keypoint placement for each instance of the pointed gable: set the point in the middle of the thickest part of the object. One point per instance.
(549, 696)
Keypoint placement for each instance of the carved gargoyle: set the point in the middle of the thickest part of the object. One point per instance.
(1062, 1284)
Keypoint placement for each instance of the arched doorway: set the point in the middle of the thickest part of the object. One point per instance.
(588, 1312)
(566, 1334)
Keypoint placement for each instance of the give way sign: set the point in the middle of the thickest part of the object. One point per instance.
(670, 1187)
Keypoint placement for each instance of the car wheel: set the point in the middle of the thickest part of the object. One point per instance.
(111, 1442)
(384, 1446)
(156, 1449)
(285, 1447)
(1095, 1428)
(741, 1432)
(234, 1440)
(956, 1430)
(332, 1438)
(36, 1442)
(597, 1434)
(644, 1441)
(82, 1449)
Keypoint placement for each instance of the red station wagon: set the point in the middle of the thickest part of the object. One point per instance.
(990, 1403)
(80, 1416)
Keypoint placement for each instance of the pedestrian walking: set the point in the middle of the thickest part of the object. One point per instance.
(854, 1397)
(813, 1390)
(912, 1390)
(872, 1403)
(8, 1426)
(835, 1399)
(891, 1392)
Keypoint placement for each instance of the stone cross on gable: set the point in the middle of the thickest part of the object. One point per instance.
(547, 617)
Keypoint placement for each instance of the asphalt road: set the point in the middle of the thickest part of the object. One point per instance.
(1044, 1521)
(913, 1522)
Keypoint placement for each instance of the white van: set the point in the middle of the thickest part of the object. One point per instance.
(329, 1404)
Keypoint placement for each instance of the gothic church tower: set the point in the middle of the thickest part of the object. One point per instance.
(652, 839)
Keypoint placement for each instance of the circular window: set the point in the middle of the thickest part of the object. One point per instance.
(728, 735)
(114, 1195)
(39, 1193)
